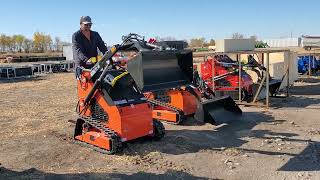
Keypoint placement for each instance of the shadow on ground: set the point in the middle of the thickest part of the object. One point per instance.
(312, 88)
(225, 136)
(294, 102)
(36, 174)
(298, 95)
(307, 160)
(232, 135)
(307, 79)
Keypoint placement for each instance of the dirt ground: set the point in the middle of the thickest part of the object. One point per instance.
(282, 142)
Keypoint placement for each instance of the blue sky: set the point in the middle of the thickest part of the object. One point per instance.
(183, 19)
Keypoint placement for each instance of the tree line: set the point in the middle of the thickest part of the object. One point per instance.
(42, 42)
(39, 43)
(202, 42)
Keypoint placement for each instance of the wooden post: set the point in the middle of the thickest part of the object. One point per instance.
(288, 75)
(259, 89)
(240, 75)
(213, 74)
(309, 65)
(267, 80)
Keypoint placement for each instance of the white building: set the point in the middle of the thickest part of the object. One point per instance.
(67, 52)
(283, 42)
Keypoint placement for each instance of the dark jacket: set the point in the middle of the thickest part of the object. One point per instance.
(83, 49)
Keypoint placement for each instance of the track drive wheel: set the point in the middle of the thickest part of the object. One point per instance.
(116, 145)
(181, 118)
(158, 130)
(78, 127)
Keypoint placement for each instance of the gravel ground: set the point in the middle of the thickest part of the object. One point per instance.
(281, 142)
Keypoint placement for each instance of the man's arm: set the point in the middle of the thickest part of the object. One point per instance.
(102, 47)
(78, 55)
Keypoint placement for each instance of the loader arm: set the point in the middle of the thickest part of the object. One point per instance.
(98, 67)
(106, 63)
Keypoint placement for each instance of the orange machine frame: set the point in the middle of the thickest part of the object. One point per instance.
(180, 99)
(129, 122)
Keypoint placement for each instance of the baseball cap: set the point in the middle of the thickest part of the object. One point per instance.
(85, 20)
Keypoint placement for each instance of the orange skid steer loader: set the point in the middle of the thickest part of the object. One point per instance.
(111, 107)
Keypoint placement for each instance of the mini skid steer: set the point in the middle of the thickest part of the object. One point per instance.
(111, 108)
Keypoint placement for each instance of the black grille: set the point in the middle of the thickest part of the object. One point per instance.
(162, 96)
(98, 112)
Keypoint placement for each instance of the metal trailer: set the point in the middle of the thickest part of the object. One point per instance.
(18, 70)
(265, 80)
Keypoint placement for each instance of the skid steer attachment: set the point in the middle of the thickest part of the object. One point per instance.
(165, 73)
(274, 87)
(217, 111)
(161, 70)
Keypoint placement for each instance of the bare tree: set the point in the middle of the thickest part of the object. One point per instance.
(27, 45)
(197, 42)
(237, 36)
(254, 37)
(2, 43)
(7, 43)
(212, 42)
(18, 41)
(10, 43)
(57, 44)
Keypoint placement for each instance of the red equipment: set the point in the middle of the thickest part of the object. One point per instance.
(226, 76)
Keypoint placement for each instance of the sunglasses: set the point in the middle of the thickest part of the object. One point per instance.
(89, 25)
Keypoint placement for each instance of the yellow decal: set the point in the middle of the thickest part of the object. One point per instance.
(93, 60)
(113, 49)
(117, 78)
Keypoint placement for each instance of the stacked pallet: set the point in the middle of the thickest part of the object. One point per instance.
(17, 70)
(34, 59)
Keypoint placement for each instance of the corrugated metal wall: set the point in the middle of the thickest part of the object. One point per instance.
(287, 42)
(311, 42)
(230, 45)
